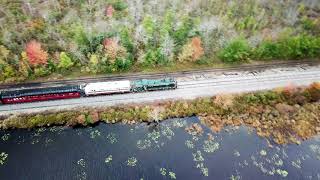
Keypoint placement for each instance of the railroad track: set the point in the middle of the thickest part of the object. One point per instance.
(254, 69)
(186, 89)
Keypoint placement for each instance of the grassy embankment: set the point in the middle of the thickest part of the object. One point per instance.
(284, 115)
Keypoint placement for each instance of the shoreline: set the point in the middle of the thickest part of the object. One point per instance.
(279, 114)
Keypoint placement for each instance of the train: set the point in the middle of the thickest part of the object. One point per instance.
(84, 90)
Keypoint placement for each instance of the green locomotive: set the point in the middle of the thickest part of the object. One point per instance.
(153, 85)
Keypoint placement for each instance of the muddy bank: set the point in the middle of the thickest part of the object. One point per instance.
(284, 115)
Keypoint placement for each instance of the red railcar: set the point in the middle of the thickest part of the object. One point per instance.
(40, 94)
(44, 97)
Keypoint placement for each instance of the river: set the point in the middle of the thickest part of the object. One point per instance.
(163, 151)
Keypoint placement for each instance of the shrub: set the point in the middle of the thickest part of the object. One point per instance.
(119, 5)
(236, 51)
(40, 72)
(122, 64)
(36, 55)
(296, 47)
(267, 50)
(314, 91)
(154, 57)
(65, 61)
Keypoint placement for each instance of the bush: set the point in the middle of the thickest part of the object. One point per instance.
(122, 64)
(296, 47)
(154, 58)
(267, 50)
(65, 61)
(236, 51)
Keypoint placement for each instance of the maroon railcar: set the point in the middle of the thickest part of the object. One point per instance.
(40, 94)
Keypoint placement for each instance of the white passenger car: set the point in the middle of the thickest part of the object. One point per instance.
(107, 87)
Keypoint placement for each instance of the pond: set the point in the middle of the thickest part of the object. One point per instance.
(163, 151)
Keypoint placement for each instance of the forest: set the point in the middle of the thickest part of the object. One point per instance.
(54, 39)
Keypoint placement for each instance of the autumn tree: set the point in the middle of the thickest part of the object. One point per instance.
(192, 51)
(113, 49)
(36, 55)
(65, 61)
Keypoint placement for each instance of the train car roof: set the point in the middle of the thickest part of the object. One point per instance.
(99, 85)
(39, 91)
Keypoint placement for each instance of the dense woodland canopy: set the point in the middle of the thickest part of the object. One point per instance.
(52, 37)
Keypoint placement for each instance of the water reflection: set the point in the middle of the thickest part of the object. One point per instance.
(174, 149)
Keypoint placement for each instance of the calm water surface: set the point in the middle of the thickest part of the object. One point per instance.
(165, 151)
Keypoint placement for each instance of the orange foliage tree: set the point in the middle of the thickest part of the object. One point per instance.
(36, 55)
(197, 48)
(192, 51)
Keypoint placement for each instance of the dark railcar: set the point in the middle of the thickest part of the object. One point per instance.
(153, 84)
(40, 94)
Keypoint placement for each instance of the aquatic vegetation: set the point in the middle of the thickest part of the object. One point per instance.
(155, 135)
(263, 152)
(82, 175)
(163, 171)
(210, 146)
(5, 137)
(132, 161)
(316, 149)
(189, 144)
(195, 138)
(112, 138)
(35, 141)
(194, 129)
(81, 162)
(179, 123)
(197, 156)
(172, 175)
(108, 159)
(283, 173)
(167, 132)
(48, 141)
(236, 153)
(94, 134)
(3, 158)
(56, 129)
(40, 130)
(277, 160)
(143, 144)
(296, 163)
(204, 170)
(233, 177)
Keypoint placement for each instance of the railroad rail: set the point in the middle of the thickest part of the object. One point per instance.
(253, 68)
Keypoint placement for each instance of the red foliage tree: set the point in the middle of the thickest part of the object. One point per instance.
(109, 11)
(36, 55)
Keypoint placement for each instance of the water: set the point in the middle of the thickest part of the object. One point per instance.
(165, 151)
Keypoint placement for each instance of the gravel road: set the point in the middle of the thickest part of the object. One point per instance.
(189, 86)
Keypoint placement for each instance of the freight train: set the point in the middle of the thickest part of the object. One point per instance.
(89, 89)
